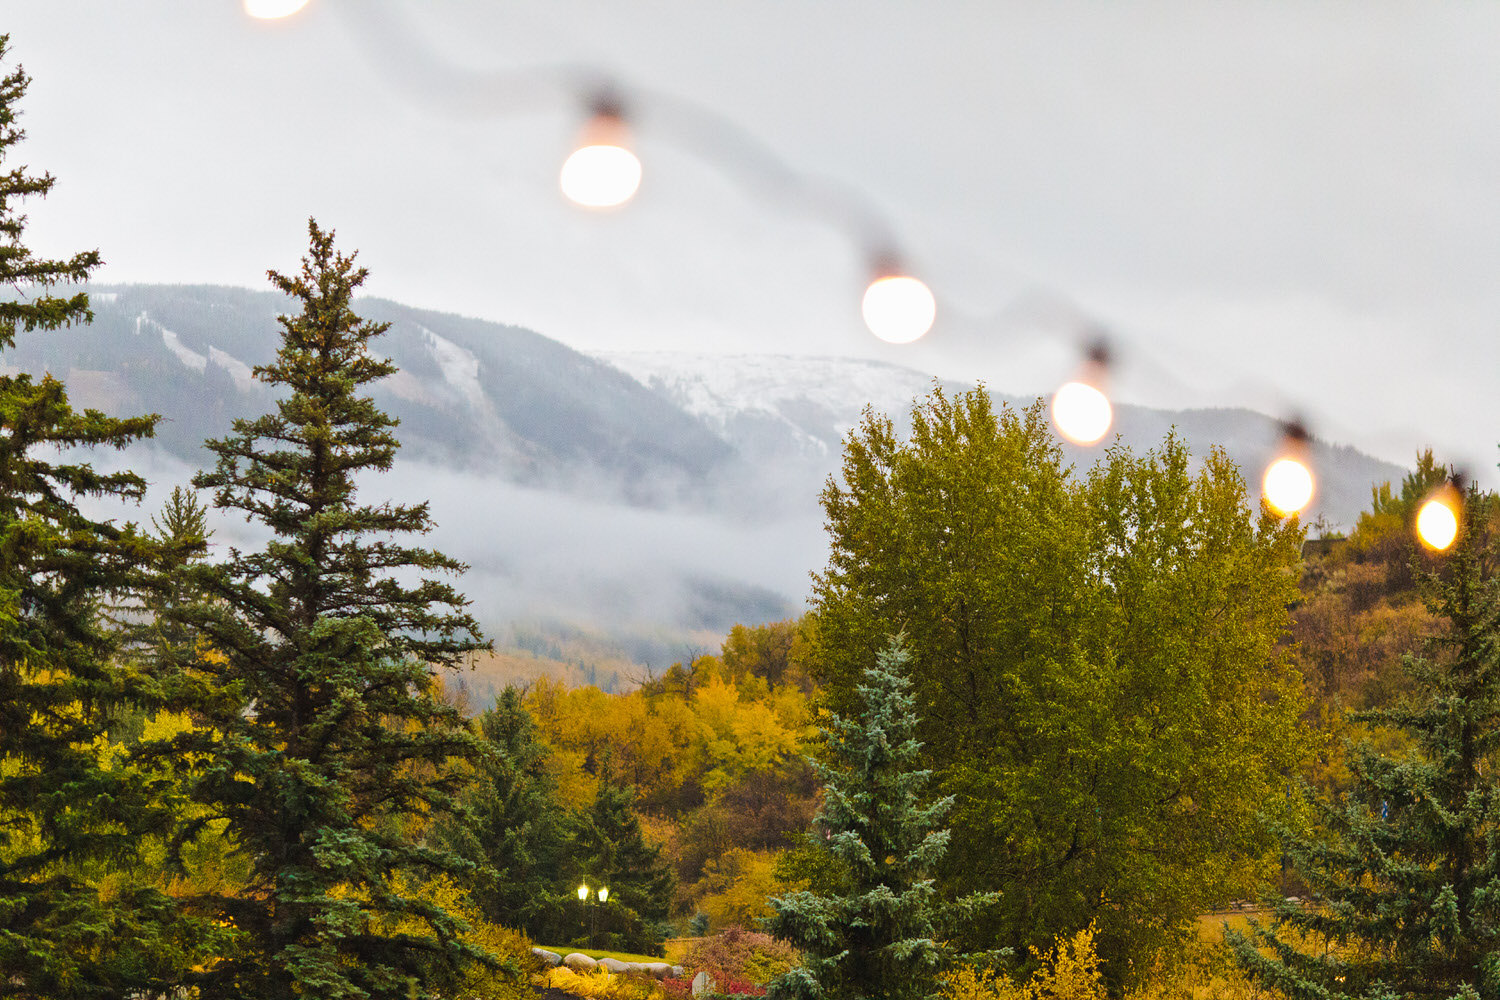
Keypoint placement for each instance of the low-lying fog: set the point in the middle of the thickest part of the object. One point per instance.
(677, 577)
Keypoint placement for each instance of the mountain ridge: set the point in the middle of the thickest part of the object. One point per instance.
(646, 494)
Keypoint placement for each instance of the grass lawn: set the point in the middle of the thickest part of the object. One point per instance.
(1211, 925)
(623, 956)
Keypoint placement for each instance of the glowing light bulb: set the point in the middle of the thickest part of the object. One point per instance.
(898, 309)
(268, 10)
(583, 892)
(1288, 485)
(604, 175)
(1437, 523)
(1081, 412)
(603, 893)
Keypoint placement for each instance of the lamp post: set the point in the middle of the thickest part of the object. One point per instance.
(601, 894)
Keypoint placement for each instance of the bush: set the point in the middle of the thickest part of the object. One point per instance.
(1070, 972)
(682, 989)
(739, 958)
(512, 948)
(474, 980)
(1200, 971)
(600, 985)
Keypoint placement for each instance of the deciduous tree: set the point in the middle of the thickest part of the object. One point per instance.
(1096, 663)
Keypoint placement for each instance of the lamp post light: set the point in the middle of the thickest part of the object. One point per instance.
(602, 895)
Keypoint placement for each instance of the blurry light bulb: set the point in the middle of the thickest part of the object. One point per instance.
(271, 9)
(601, 176)
(1081, 412)
(898, 309)
(1288, 485)
(583, 892)
(602, 172)
(603, 893)
(1080, 409)
(1437, 524)
(1437, 521)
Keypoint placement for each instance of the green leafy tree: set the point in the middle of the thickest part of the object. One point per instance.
(325, 728)
(881, 935)
(1096, 664)
(1405, 876)
(67, 818)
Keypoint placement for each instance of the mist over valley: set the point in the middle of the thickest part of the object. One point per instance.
(619, 511)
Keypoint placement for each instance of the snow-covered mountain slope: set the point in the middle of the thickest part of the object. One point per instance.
(794, 409)
(776, 404)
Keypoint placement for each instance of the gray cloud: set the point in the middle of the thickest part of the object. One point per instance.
(1266, 201)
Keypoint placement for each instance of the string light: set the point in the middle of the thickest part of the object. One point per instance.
(269, 10)
(1080, 409)
(897, 307)
(1288, 483)
(1437, 521)
(602, 172)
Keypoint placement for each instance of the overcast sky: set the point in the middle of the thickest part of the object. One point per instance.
(1293, 206)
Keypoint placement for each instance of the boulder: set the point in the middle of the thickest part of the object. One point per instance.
(579, 962)
(677, 971)
(552, 958)
(614, 966)
(704, 983)
(658, 970)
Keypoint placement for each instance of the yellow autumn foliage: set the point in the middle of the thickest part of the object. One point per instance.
(707, 734)
(1070, 971)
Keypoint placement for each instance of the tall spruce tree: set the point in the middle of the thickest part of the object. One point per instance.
(152, 627)
(326, 729)
(1405, 879)
(610, 849)
(882, 936)
(515, 827)
(66, 817)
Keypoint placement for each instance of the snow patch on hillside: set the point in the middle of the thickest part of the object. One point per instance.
(241, 373)
(189, 357)
(814, 401)
(244, 377)
(460, 367)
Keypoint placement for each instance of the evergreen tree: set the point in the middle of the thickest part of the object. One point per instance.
(325, 729)
(1405, 880)
(1097, 665)
(153, 628)
(880, 937)
(66, 818)
(610, 850)
(513, 828)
